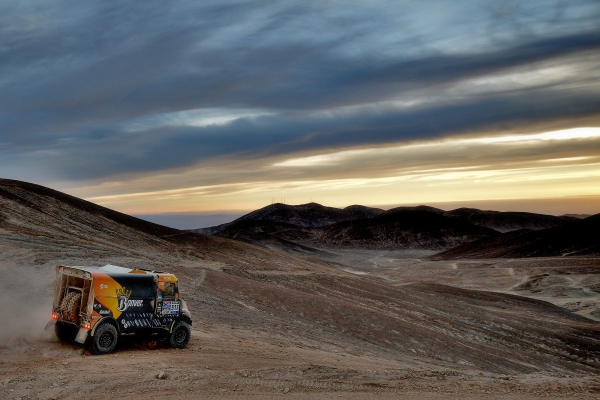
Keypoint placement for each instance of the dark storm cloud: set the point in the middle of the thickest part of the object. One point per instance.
(74, 76)
(172, 147)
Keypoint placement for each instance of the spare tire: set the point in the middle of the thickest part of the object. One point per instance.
(69, 307)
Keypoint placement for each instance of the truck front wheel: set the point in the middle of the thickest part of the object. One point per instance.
(105, 339)
(180, 335)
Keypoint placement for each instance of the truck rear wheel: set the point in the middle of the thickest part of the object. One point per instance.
(180, 335)
(65, 332)
(105, 339)
(69, 307)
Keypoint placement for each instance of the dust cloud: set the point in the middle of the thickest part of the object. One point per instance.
(25, 304)
(200, 280)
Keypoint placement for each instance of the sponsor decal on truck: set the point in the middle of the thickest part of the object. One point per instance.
(124, 302)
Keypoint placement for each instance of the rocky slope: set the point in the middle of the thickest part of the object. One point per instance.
(509, 221)
(578, 238)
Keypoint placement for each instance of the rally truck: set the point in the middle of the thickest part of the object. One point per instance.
(95, 305)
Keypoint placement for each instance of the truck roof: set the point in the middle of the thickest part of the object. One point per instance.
(116, 271)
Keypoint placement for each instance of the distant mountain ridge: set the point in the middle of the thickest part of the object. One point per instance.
(308, 227)
(316, 215)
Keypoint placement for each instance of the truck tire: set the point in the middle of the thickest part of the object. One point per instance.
(105, 339)
(69, 307)
(180, 335)
(65, 332)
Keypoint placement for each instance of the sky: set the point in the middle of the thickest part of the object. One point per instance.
(226, 106)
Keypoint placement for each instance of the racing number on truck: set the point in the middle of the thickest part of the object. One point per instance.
(170, 308)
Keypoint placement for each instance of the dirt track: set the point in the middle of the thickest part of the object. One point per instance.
(226, 363)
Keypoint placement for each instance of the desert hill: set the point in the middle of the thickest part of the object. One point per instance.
(284, 312)
(394, 229)
(53, 224)
(304, 215)
(581, 237)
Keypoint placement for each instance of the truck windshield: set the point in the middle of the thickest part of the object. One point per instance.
(170, 289)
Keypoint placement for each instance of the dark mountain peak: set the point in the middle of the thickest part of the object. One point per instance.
(359, 212)
(281, 207)
(358, 207)
(416, 208)
(310, 214)
(464, 211)
(312, 204)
